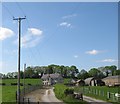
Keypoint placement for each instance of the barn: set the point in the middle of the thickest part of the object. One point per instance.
(112, 80)
(94, 82)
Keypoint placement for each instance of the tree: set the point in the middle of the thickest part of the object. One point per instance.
(74, 71)
(94, 72)
(83, 74)
(29, 73)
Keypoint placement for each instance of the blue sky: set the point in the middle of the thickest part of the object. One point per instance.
(80, 34)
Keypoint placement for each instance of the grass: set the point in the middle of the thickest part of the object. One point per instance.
(9, 92)
(101, 91)
(31, 81)
(59, 92)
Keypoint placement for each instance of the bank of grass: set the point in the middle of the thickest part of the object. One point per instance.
(59, 92)
(9, 92)
(101, 91)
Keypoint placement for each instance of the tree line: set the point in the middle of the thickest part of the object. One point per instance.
(65, 71)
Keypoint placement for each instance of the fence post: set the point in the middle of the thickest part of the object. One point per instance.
(108, 95)
(23, 100)
(28, 101)
(16, 96)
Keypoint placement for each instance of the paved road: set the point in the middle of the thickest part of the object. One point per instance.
(49, 96)
(94, 101)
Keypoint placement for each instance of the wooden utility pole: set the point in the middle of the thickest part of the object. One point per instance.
(19, 45)
(24, 77)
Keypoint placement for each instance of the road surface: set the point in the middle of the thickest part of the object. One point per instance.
(94, 101)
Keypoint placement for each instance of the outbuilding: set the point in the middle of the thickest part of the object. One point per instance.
(112, 80)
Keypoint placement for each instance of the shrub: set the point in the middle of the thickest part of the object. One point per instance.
(69, 91)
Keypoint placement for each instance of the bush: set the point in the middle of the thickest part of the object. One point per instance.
(69, 91)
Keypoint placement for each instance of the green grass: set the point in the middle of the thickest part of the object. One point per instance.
(66, 80)
(59, 92)
(8, 91)
(31, 81)
(101, 91)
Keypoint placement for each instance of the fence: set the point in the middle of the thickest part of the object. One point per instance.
(114, 97)
(26, 90)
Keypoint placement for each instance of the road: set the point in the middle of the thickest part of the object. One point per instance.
(45, 95)
(49, 96)
(94, 101)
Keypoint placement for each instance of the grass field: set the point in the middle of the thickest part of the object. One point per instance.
(59, 92)
(8, 91)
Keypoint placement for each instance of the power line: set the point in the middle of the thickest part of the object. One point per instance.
(20, 8)
(8, 11)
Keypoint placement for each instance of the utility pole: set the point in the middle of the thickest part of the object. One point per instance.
(19, 45)
(24, 77)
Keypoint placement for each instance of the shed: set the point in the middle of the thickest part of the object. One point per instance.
(94, 81)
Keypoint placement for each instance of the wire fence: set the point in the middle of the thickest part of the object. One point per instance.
(106, 95)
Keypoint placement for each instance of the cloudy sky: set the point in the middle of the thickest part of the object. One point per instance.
(81, 34)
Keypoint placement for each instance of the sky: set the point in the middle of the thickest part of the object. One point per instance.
(83, 34)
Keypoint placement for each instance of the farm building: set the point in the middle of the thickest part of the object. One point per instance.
(94, 82)
(50, 79)
(80, 82)
(112, 80)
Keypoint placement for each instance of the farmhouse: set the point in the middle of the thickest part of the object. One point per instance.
(50, 79)
(112, 80)
(93, 81)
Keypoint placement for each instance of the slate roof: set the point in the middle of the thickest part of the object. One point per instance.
(53, 76)
(112, 77)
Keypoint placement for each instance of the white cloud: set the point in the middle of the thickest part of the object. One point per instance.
(93, 52)
(35, 31)
(31, 38)
(75, 56)
(69, 16)
(5, 33)
(108, 60)
(65, 24)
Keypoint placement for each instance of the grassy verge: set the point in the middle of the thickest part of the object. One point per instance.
(59, 92)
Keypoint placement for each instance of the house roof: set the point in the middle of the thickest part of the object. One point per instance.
(80, 80)
(112, 77)
(50, 75)
(87, 81)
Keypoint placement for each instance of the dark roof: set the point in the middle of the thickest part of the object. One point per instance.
(45, 76)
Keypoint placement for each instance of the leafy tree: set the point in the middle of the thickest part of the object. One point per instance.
(83, 74)
(94, 72)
